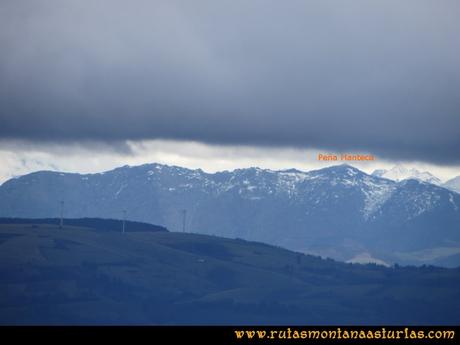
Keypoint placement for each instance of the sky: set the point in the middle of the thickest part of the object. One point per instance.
(90, 85)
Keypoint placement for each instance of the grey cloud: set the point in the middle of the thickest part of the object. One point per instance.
(379, 76)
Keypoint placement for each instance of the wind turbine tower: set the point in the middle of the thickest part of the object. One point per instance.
(124, 220)
(184, 217)
(61, 221)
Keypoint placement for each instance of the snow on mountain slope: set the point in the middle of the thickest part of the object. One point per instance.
(377, 193)
(339, 211)
(400, 172)
(453, 184)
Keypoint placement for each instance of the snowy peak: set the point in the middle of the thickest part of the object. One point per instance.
(453, 184)
(343, 171)
(400, 172)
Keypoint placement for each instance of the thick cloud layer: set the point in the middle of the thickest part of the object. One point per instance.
(379, 76)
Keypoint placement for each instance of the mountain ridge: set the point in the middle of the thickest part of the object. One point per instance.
(338, 211)
(400, 173)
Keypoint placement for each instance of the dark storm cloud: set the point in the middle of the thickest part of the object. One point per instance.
(380, 76)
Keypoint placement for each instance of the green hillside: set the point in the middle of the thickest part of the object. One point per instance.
(79, 275)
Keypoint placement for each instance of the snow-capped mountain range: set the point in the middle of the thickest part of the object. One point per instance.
(400, 172)
(339, 212)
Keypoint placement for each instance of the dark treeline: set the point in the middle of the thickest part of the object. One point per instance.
(93, 223)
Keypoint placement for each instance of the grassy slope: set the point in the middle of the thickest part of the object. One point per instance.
(78, 275)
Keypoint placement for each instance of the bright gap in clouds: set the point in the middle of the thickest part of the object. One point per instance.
(21, 158)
